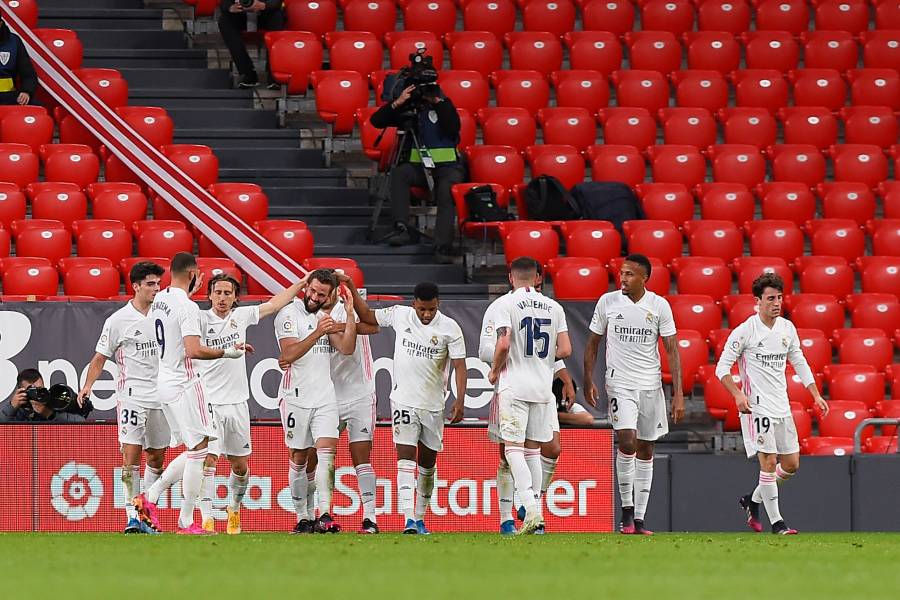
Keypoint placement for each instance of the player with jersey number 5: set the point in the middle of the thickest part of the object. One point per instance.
(128, 339)
(532, 335)
(762, 345)
(633, 319)
(426, 345)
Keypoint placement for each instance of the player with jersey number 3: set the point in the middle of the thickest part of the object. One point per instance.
(632, 320)
(761, 346)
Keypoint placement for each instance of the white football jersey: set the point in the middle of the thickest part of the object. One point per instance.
(175, 316)
(307, 383)
(353, 375)
(129, 339)
(632, 331)
(225, 379)
(762, 354)
(422, 355)
(534, 321)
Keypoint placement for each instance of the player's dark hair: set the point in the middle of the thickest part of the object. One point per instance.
(525, 266)
(224, 277)
(326, 276)
(27, 376)
(426, 291)
(640, 259)
(182, 263)
(141, 270)
(767, 280)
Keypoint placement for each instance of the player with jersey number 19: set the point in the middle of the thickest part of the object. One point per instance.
(225, 383)
(762, 345)
(128, 339)
(426, 345)
(633, 320)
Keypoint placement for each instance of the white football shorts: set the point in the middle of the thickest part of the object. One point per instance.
(358, 418)
(412, 426)
(303, 426)
(232, 423)
(642, 410)
(769, 435)
(189, 418)
(140, 426)
(521, 420)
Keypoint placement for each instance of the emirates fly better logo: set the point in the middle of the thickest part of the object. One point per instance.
(76, 491)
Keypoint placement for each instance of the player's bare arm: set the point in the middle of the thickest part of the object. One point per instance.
(95, 368)
(563, 345)
(197, 351)
(670, 343)
(501, 352)
(818, 399)
(581, 418)
(568, 390)
(282, 298)
(361, 328)
(740, 398)
(459, 405)
(293, 348)
(345, 342)
(363, 310)
(591, 394)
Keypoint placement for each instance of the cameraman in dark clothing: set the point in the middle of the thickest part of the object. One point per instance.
(15, 63)
(233, 20)
(435, 123)
(19, 409)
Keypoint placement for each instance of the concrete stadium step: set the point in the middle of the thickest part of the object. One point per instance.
(100, 18)
(237, 118)
(162, 78)
(327, 197)
(287, 177)
(248, 139)
(339, 234)
(378, 253)
(312, 215)
(272, 158)
(191, 98)
(163, 59)
(130, 38)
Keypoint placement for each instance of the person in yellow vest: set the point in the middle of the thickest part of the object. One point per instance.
(15, 65)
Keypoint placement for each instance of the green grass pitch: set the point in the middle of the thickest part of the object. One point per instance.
(458, 566)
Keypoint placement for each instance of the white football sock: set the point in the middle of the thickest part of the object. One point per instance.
(311, 493)
(406, 486)
(299, 485)
(505, 490)
(625, 476)
(173, 472)
(151, 475)
(548, 468)
(324, 478)
(781, 476)
(643, 480)
(521, 474)
(131, 487)
(206, 492)
(237, 485)
(424, 488)
(191, 484)
(769, 492)
(365, 479)
(533, 460)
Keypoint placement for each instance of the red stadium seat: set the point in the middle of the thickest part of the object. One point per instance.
(475, 50)
(712, 50)
(802, 421)
(775, 237)
(27, 10)
(82, 225)
(864, 346)
(749, 268)
(293, 55)
(376, 16)
(787, 200)
(585, 89)
(404, 43)
(782, 15)
(713, 238)
(659, 282)
(825, 275)
(612, 162)
(732, 16)
(496, 164)
(153, 123)
(694, 126)
(825, 49)
(666, 15)
(318, 17)
(507, 127)
(436, 16)
(816, 348)
(481, 229)
(198, 162)
(578, 278)
(555, 16)
(816, 311)
(739, 308)
(112, 243)
(495, 16)
(890, 196)
(885, 237)
(559, 160)
(540, 244)
(666, 201)
(594, 51)
(737, 163)
(718, 338)
(654, 50)
(592, 239)
(76, 165)
(12, 204)
(26, 278)
(467, 89)
(369, 135)
(644, 89)
(107, 84)
(537, 50)
(842, 15)
(658, 239)
(869, 125)
(62, 206)
(797, 162)
(353, 51)
(702, 275)
(523, 89)
(763, 88)
(880, 274)
(615, 16)
(210, 267)
(847, 200)
(51, 243)
(271, 225)
(818, 87)
(881, 49)
(564, 125)
(18, 164)
(881, 444)
(63, 43)
(164, 242)
(126, 264)
(746, 125)
(767, 49)
(100, 280)
(875, 87)
(809, 125)
(879, 312)
(31, 127)
(720, 403)
(726, 202)
(692, 351)
(697, 312)
(864, 163)
(338, 95)
(17, 227)
(827, 446)
(700, 89)
(297, 242)
(887, 15)
(628, 126)
(843, 417)
(677, 164)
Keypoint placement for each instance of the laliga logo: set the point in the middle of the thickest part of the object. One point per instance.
(75, 491)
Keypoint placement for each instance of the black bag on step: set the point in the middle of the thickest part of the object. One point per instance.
(481, 202)
(547, 200)
(607, 201)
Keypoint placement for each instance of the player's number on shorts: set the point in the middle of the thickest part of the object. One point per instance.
(160, 337)
(401, 416)
(129, 416)
(534, 334)
(613, 404)
(210, 409)
(290, 421)
(762, 424)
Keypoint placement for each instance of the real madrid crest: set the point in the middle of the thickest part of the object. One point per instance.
(760, 440)
(785, 342)
(234, 324)
(434, 340)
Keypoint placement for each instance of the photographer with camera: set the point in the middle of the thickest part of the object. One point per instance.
(31, 402)
(430, 126)
(233, 20)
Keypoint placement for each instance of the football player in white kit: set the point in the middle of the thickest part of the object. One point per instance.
(427, 344)
(128, 338)
(532, 335)
(632, 320)
(225, 384)
(309, 412)
(176, 323)
(761, 346)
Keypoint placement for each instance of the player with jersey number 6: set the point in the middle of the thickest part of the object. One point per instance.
(632, 320)
(762, 345)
